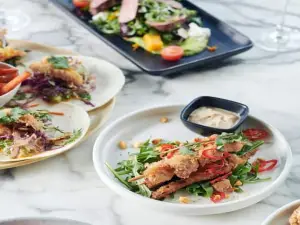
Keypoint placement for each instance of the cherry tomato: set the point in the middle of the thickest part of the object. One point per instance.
(172, 53)
(255, 134)
(81, 3)
(217, 197)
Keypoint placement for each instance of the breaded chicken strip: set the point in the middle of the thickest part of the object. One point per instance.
(157, 173)
(183, 165)
(4, 130)
(223, 186)
(295, 217)
(200, 175)
(69, 75)
(30, 121)
(8, 53)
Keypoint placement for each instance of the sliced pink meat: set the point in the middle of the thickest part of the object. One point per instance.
(96, 3)
(102, 5)
(167, 25)
(128, 10)
(172, 3)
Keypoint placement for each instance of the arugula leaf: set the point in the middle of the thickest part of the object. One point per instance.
(59, 62)
(143, 189)
(76, 134)
(147, 153)
(250, 147)
(183, 150)
(200, 189)
(127, 184)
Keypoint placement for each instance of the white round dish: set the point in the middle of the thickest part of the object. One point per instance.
(9, 95)
(144, 124)
(109, 81)
(41, 221)
(74, 118)
(281, 216)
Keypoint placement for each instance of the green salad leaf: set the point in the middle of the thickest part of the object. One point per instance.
(200, 189)
(59, 62)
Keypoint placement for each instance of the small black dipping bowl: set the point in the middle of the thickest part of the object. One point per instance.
(238, 108)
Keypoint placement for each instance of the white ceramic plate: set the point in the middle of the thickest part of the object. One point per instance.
(144, 124)
(109, 80)
(74, 118)
(281, 216)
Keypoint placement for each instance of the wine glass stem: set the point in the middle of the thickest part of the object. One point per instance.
(280, 26)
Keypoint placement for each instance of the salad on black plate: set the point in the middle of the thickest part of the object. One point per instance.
(162, 27)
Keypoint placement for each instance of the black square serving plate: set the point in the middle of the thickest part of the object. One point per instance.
(229, 42)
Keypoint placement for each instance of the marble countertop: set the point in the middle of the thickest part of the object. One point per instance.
(68, 186)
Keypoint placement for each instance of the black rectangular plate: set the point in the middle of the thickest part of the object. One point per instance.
(229, 42)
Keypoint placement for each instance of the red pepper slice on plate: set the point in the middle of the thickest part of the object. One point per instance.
(223, 177)
(266, 165)
(166, 147)
(217, 197)
(81, 3)
(255, 134)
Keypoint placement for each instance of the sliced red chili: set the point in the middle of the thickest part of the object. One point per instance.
(217, 197)
(266, 165)
(165, 147)
(223, 177)
(255, 134)
(170, 154)
(207, 154)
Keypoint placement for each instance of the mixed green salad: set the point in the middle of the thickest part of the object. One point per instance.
(162, 27)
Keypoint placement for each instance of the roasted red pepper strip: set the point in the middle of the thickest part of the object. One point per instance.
(217, 197)
(255, 134)
(266, 165)
(223, 177)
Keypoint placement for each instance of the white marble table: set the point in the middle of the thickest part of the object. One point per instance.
(68, 186)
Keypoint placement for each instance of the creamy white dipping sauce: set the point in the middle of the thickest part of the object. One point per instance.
(214, 117)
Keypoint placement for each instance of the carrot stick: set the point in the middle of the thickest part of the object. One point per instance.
(33, 105)
(15, 82)
(57, 113)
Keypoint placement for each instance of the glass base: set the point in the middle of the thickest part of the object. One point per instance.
(279, 39)
(13, 20)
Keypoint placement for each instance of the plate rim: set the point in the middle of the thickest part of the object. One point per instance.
(280, 210)
(38, 217)
(112, 184)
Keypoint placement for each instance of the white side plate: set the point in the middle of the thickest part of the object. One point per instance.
(144, 124)
(109, 80)
(74, 118)
(281, 216)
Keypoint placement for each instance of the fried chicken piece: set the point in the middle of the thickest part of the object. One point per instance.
(8, 53)
(30, 121)
(233, 147)
(183, 165)
(69, 75)
(158, 173)
(200, 175)
(295, 217)
(4, 130)
(223, 186)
